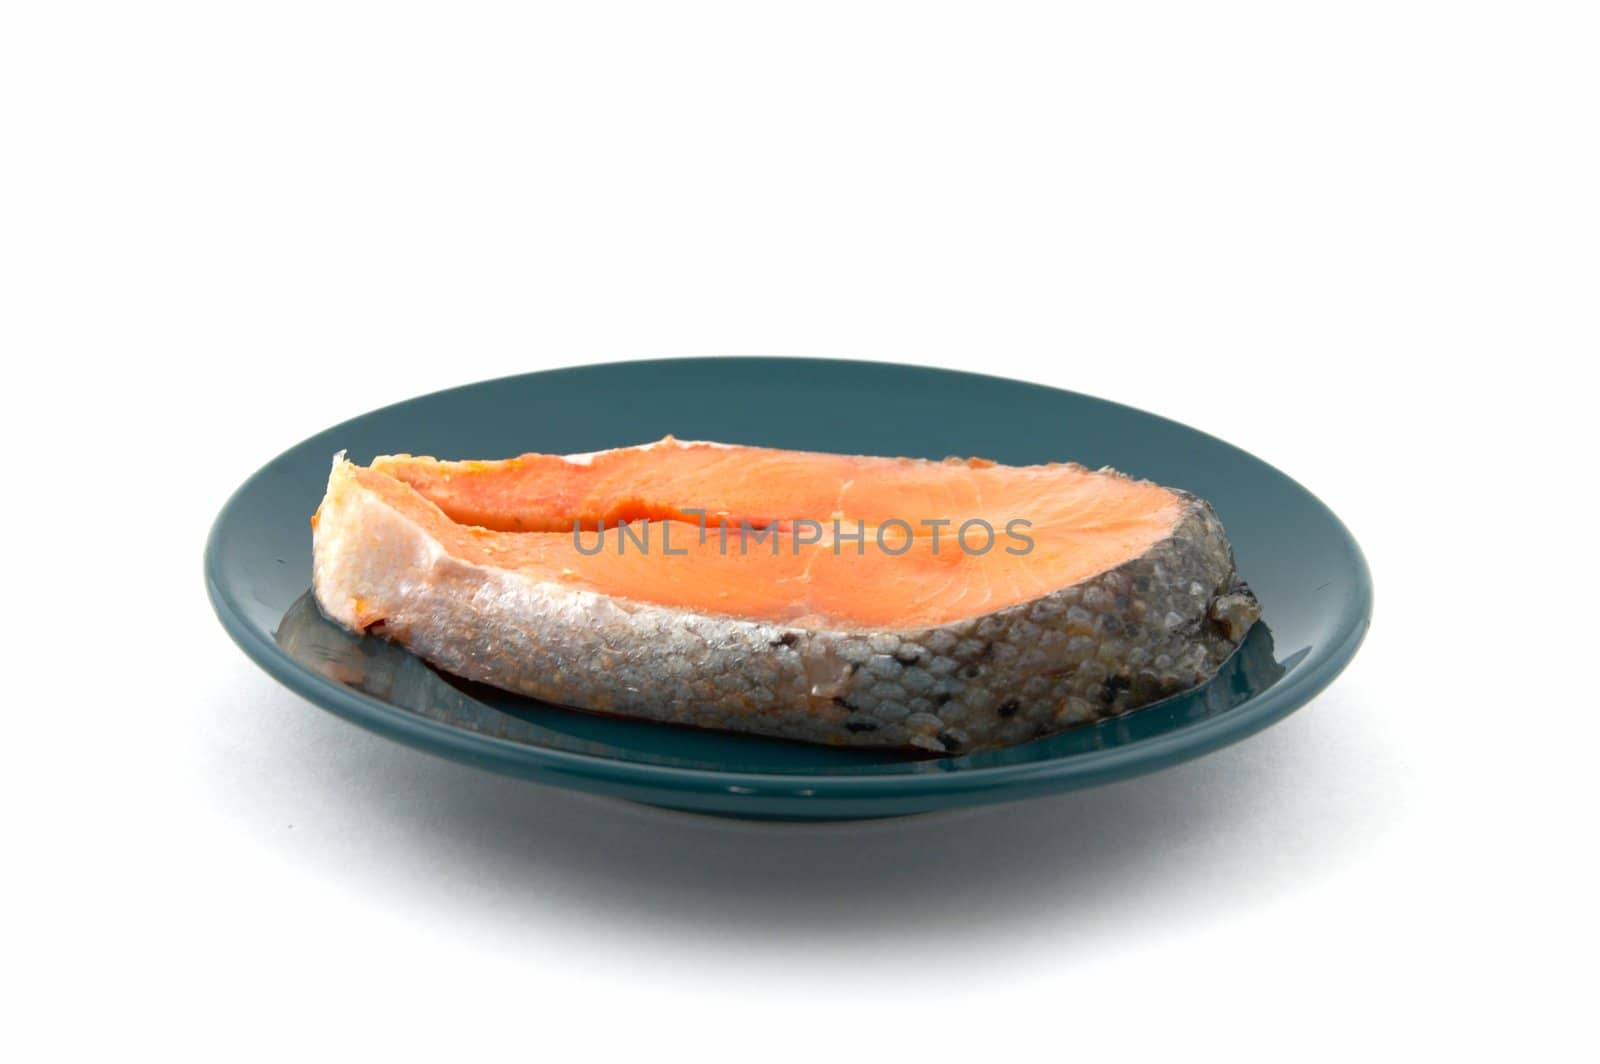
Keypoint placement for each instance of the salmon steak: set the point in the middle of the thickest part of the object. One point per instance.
(948, 607)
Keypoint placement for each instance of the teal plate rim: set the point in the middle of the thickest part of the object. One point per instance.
(784, 795)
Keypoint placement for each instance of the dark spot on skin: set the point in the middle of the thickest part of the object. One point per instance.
(1124, 603)
(1009, 707)
(970, 672)
(861, 725)
(1114, 686)
(951, 740)
(988, 649)
(787, 639)
(942, 697)
(1110, 626)
(839, 700)
(1141, 584)
(908, 655)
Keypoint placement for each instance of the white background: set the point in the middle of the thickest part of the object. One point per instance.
(1357, 239)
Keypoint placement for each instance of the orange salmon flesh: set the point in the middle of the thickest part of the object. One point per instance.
(849, 543)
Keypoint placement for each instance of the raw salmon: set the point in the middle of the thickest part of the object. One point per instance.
(950, 606)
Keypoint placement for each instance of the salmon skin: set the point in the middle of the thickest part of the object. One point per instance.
(947, 606)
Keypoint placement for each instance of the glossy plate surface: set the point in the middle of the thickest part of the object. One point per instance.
(1308, 572)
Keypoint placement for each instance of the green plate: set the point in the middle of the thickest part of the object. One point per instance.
(1309, 574)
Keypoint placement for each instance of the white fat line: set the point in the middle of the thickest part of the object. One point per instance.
(588, 457)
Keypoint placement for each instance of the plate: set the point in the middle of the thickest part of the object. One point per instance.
(1308, 572)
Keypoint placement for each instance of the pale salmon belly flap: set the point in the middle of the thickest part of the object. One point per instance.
(949, 606)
